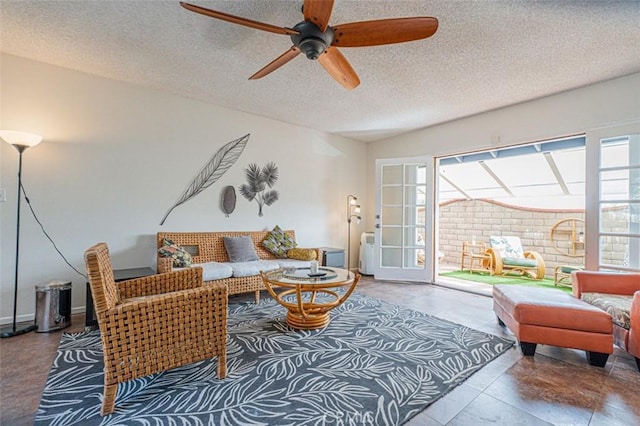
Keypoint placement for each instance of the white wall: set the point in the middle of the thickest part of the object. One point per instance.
(573, 112)
(115, 157)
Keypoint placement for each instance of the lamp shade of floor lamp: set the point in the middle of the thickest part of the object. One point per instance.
(353, 212)
(20, 141)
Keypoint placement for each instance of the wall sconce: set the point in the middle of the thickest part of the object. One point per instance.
(353, 212)
(20, 141)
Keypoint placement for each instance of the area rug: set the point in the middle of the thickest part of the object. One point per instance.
(486, 278)
(375, 364)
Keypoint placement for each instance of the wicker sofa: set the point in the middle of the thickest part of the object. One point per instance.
(207, 249)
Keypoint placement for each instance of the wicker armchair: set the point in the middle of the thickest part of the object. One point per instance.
(155, 323)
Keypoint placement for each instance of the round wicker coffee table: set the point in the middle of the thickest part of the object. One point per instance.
(306, 310)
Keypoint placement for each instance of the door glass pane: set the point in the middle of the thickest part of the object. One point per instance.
(618, 152)
(619, 218)
(415, 195)
(415, 215)
(414, 237)
(413, 258)
(414, 174)
(392, 174)
(391, 195)
(392, 215)
(391, 236)
(390, 257)
(614, 185)
(620, 251)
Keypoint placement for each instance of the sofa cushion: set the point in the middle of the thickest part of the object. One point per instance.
(302, 254)
(507, 246)
(181, 258)
(278, 242)
(215, 271)
(240, 249)
(249, 269)
(520, 261)
(616, 305)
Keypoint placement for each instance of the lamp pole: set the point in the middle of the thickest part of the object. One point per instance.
(352, 212)
(14, 330)
(20, 141)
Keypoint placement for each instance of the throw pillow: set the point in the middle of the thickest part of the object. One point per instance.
(181, 258)
(240, 249)
(278, 243)
(302, 254)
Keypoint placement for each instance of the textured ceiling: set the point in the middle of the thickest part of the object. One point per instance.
(485, 55)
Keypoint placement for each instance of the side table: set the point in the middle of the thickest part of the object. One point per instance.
(118, 275)
(472, 253)
(332, 256)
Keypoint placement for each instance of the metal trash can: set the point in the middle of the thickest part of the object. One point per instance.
(53, 306)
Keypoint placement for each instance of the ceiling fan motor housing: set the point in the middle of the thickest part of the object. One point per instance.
(311, 40)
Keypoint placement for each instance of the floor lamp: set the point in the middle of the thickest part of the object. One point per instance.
(20, 141)
(353, 211)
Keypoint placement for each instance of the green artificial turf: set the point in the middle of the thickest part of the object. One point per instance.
(485, 278)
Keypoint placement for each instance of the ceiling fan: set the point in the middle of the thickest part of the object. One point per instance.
(317, 40)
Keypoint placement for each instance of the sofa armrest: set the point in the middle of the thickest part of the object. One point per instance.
(604, 282)
(183, 279)
(635, 311)
(165, 264)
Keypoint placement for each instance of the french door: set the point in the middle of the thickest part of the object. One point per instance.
(404, 242)
(613, 198)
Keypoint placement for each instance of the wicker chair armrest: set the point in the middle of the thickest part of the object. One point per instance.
(161, 283)
(319, 254)
(155, 333)
(541, 268)
(165, 264)
(531, 254)
(496, 262)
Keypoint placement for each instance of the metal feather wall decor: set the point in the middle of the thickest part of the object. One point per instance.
(228, 200)
(257, 182)
(211, 171)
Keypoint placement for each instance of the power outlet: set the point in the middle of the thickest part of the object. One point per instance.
(3, 195)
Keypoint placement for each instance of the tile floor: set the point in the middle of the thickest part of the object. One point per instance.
(557, 386)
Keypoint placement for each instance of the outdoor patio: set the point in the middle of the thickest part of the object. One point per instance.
(450, 275)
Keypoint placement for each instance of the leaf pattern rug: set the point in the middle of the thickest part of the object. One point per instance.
(375, 364)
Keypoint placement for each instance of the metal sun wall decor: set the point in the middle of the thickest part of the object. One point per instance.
(212, 171)
(257, 182)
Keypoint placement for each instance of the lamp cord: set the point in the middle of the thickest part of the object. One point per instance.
(24, 192)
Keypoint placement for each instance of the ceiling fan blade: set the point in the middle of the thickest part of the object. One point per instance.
(277, 63)
(384, 31)
(339, 68)
(238, 20)
(318, 12)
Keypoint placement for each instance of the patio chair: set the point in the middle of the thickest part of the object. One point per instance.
(508, 257)
(154, 323)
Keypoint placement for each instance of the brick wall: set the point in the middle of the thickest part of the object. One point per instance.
(460, 220)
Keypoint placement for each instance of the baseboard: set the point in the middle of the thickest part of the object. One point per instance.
(32, 316)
